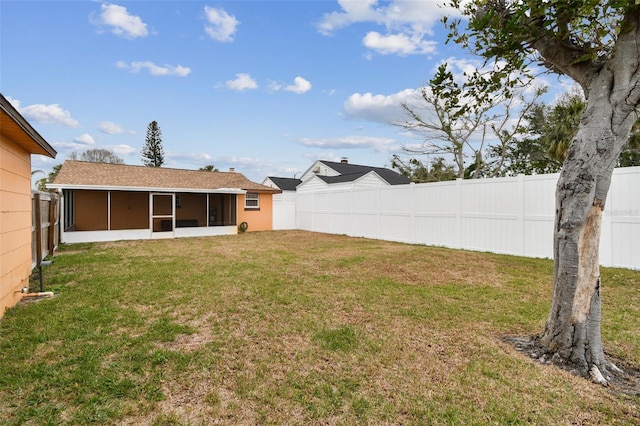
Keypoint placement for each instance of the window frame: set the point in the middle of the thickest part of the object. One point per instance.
(255, 199)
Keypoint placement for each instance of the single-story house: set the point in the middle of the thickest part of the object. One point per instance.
(109, 202)
(18, 140)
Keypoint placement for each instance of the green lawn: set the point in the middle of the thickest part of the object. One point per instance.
(299, 328)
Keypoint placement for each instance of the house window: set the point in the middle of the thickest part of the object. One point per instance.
(252, 200)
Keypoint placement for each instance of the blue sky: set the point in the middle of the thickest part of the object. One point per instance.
(265, 87)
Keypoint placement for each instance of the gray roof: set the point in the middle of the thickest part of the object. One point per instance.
(285, 184)
(350, 172)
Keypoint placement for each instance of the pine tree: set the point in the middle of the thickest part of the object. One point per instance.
(152, 152)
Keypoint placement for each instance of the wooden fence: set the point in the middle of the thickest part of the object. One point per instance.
(45, 220)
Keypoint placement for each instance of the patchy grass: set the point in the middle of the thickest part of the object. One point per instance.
(299, 328)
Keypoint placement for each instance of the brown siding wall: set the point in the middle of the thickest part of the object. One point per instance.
(15, 223)
(258, 219)
(91, 210)
(129, 210)
(192, 207)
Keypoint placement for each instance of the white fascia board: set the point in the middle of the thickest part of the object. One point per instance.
(372, 173)
(145, 189)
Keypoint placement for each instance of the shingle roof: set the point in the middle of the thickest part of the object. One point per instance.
(82, 173)
(351, 172)
(285, 184)
(342, 178)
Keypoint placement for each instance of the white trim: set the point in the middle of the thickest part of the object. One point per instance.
(102, 236)
(257, 199)
(148, 189)
(109, 210)
(144, 234)
(172, 216)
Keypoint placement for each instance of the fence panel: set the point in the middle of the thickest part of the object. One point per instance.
(513, 215)
(539, 214)
(45, 225)
(621, 220)
(284, 210)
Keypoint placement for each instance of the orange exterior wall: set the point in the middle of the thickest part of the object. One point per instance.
(258, 219)
(15, 223)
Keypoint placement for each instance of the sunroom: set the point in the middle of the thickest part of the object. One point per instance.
(106, 202)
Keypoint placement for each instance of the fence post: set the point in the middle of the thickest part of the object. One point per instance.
(52, 224)
(415, 239)
(520, 215)
(458, 199)
(38, 226)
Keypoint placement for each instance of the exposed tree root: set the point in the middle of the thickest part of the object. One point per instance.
(624, 379)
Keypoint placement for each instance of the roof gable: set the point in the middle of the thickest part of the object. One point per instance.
(75, 174)
(15, 128)
(388, 175)
(285, 184)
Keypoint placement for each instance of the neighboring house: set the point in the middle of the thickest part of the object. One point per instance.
(18, 140)
(109, 202)
(284, 204)
(282, 183)
(324, 174)
(321, 176)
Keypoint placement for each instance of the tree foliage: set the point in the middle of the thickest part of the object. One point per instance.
(549, 132)
(436, 170)
(153, 152)
(208, 168)
(97, 156)
(475, 131)
(41, 184)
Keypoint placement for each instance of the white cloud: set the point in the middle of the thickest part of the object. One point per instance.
(299, 86)
(382, 108)
(406, 23)
(154, 69)
(191, 157)
(400, 44)
(85, 139)
(352, 12)
(41, 113)
(122, 149)
(69, 146)
(243, 81)
(111, 128)
(411, 15)
(221, 26)
(352, 142)
(121, 22)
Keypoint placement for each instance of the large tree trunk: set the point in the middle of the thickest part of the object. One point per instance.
(572, 332)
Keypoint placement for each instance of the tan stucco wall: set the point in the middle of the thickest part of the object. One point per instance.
(192, 207)
(129, 210)
(91, 210)
(15, 223)
(258, 219)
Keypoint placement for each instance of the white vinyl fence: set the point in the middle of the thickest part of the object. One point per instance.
(512, 215)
